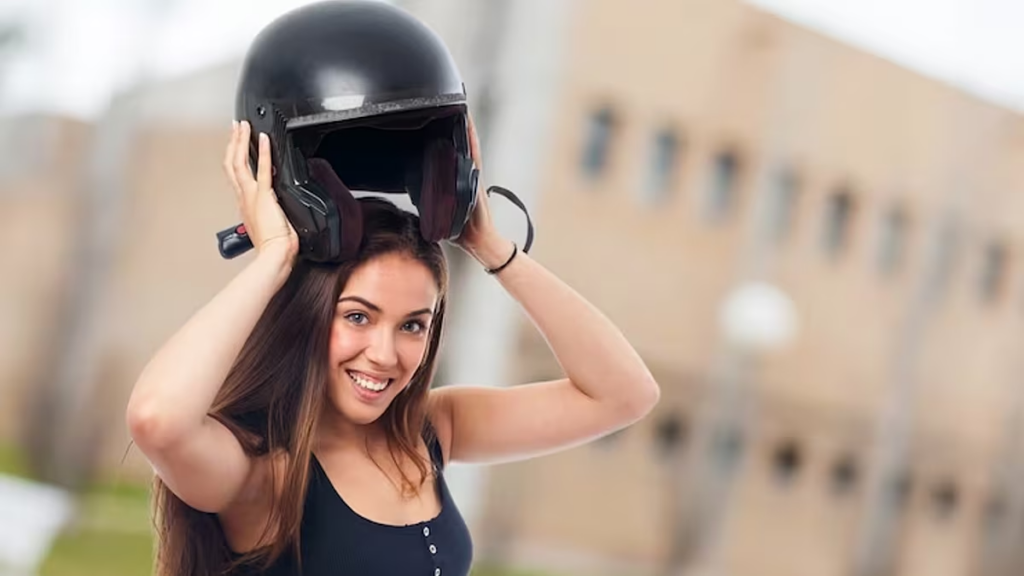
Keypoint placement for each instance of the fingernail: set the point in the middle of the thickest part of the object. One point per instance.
(234, 124)
(263, 137)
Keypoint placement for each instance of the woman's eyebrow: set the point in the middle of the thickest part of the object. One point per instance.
(373, 307)
(362, 301)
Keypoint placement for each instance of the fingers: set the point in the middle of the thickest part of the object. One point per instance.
(236, 164)
(229, 156)
(263, 165)
(474, 144)
(243, 173)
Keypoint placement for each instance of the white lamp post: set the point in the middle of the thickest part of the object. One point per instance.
(755, 318)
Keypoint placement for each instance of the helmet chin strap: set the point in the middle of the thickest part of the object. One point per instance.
(511, 197)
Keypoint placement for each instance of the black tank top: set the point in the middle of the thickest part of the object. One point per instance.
(337, 541)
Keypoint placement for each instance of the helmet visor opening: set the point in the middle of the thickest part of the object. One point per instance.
(381, 154)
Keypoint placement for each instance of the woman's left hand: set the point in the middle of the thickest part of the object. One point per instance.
(479, 237)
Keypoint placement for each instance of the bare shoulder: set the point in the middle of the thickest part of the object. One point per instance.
(245, 520)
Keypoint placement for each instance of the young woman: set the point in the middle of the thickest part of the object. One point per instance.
(292, 424)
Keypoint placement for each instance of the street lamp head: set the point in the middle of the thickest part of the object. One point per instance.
(759, 317)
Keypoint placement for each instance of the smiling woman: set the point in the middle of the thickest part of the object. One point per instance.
(292, 422)
(328, 396)
(299, 401)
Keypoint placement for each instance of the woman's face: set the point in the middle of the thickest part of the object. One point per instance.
(380, 334)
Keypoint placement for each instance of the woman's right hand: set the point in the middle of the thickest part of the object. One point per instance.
(265, 223)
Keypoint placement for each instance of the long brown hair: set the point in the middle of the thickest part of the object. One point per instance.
(271, 398)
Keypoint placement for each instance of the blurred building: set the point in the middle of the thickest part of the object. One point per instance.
(673, 118)
(689, 146)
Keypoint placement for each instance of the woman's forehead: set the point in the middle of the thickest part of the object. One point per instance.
(393, 280)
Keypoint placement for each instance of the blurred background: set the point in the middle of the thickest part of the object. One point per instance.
(806, 216)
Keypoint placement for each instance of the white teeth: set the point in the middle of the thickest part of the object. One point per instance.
(369, 384)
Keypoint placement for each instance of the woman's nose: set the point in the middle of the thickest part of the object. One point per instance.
(382, 350)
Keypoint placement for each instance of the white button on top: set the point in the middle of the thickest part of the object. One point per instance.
(437, 572)
(426, 531)
(433, 549)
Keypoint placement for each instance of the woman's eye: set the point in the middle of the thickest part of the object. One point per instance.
(414, 327)
(356, 318)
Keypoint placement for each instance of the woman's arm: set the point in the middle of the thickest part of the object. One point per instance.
(199, 459)
(196, 456)
(607, 385)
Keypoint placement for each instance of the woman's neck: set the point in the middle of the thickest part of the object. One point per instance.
(335, 431)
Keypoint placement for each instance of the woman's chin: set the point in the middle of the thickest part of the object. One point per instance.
(359, 413)
(362, 417)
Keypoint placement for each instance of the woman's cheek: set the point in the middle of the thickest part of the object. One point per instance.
(414, 354)
(341, 341)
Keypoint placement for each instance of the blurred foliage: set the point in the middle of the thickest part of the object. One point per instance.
(12, 462)
(96, 552)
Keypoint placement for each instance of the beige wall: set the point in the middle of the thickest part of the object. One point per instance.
(165, 268)
(39, 217)
(171, 267)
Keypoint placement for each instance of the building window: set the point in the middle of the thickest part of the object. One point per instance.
(993, 272)
(721, 191)
(782, 197)
(600, 130)
(844, 475)
(945, 497)
(669, 434)
(996, 511)
(838, 222)
(662, 168)
(786, 462)
(892, 241)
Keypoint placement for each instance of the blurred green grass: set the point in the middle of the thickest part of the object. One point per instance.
(99, 553)
(11, 462)
(113, 536)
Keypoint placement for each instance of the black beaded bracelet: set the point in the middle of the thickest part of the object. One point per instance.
(515, 250)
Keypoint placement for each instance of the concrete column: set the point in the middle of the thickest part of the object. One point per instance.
(522, 89)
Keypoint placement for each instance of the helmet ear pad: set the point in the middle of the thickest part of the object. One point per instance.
(437, 199)
(466, 181)
(350, 229)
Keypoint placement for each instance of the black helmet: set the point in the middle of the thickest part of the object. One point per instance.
(357, 95)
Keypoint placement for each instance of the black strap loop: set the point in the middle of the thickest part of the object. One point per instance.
(515, 200)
